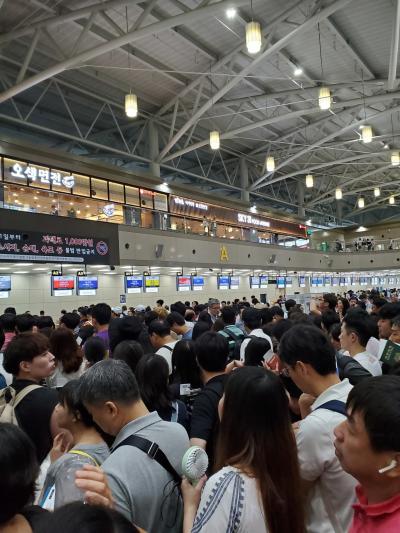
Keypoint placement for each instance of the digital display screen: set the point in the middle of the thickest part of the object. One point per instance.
(87, 282)
(382, 281)
(254, 282)
(263, 282)
(347, 280)
(183, 283)
(197, 283)
(342, 282)
(280, 282)
(354, 281)
(223, 282)
(335, 281)
(327, 280)
(235, 281)
(151, 283)
(5, 283)
(288, 281)
(62, 283)
(317, 282)
(392, 281)
(134, 282)
(375, 281)
(302, 281)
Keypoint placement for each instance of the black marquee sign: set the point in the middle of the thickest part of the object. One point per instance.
(16, 245)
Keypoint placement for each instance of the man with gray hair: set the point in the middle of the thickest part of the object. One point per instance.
(145, 448)
(214, 308)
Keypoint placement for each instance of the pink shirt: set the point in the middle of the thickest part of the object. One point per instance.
(383, 517)
(7, 339)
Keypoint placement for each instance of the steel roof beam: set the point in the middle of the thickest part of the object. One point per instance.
(186, 18)
(274, 48)
(62, 19)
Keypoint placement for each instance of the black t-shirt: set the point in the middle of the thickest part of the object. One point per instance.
(34, 414)
(205, 421)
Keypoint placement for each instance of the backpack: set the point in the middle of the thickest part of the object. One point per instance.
(235, 342)
(9, 400)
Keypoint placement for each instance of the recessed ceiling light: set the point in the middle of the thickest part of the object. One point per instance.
(231, 13)
(298, 71)
(21, 272)
(23, 264)
(40, 269)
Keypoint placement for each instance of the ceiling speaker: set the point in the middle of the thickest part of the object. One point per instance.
(272, 259)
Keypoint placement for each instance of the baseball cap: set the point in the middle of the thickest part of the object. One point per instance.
(116, 309)
(140, 308)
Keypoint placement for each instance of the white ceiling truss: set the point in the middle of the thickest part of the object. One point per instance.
(65, 66)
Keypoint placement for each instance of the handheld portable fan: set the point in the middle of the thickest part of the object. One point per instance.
(194, 464)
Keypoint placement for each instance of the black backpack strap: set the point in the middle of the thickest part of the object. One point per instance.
(153, 451)
(334, 405)
(167, 347)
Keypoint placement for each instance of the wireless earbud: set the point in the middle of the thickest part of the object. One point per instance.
(392, 465)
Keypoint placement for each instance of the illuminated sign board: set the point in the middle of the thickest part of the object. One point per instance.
(183, 283)
(52, 247)
(288, 282)
(42, 175)
(223, 282)
(302, 281)
(62, 285)
(254, 282)
(197, 283)
(5, 283)
(280, 282)
(87, 285)
(263, 282)
(235, 281)
(249, 219)
(190, 203)
(151, 283)
(133, 284)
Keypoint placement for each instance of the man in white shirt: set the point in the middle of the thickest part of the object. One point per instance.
(252, 323)
(161, 339)
(309, 359)
(355, 334)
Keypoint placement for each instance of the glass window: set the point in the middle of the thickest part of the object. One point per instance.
(160, 201)
(146, 198)
(99, 189)
(131, 195)
(82, 185)
(116, 191)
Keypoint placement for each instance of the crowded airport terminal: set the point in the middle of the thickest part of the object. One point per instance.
(199, 266)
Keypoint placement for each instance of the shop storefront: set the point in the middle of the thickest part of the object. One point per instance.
(37, 188)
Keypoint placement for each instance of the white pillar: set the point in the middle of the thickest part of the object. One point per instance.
(244, 180)
(300, 199)
(154, 149)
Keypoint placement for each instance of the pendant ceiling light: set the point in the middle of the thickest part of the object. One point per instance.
(270, 164)
(324, 98)
(361, 202)
(366, 134)
(391, 200)
(377, 192)
(309, 181)
(253, 37)
(338, 194)
(214, 140)
(131, 107)
(395, 159)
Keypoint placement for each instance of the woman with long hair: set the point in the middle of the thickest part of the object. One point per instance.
(68, 355)
(257, 485)
(342, 307)
(152, 373)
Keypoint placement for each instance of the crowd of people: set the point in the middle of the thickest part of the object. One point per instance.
(297, 411)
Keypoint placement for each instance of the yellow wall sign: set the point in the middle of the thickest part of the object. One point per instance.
(224, 254)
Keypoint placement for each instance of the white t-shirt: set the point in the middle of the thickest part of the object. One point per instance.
(333, 494)
(166, 352)
(369, 362)
(59, 378)
(257, 333)
(229, 502)
(373, 347)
